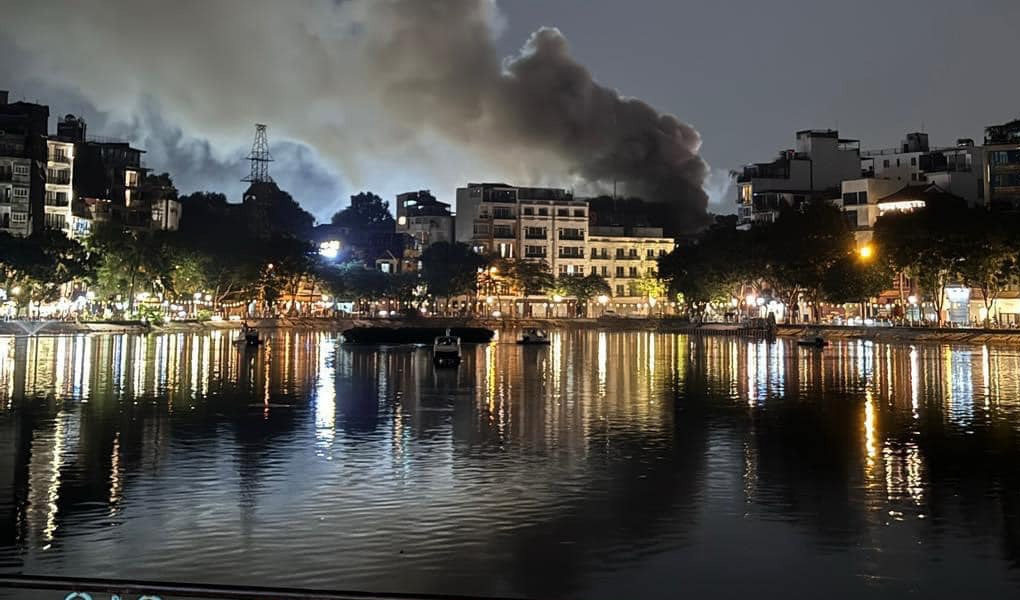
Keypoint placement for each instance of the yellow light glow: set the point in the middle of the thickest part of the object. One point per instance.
(866, 251)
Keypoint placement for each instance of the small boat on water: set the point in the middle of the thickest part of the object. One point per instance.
(534, 337)
(816, 341)
(249, 336)
(446, 350)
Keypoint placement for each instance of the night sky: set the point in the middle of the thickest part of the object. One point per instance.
(186, 81)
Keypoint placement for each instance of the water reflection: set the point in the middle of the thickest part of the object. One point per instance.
(603, 462)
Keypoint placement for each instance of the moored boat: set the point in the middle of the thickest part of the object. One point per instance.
(534, 337)
(816, 341)
(446, 350)
(249, 336)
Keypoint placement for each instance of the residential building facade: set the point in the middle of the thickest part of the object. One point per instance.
(22, 166)
(425, 219)
(813, 170)
(521, 222)
(1001, 180)
(59, 191)
(623, 256)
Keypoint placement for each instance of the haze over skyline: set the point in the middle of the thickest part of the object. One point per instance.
(745, 75)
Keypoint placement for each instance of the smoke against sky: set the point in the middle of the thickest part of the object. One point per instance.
(381, 95)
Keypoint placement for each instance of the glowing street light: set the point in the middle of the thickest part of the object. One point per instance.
(912, 299)
(603, 299)
(866, 252)
(557, 298)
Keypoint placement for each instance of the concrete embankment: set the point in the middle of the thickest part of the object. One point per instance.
(880, 334)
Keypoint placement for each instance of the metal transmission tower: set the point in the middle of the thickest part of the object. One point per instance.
(260, 157)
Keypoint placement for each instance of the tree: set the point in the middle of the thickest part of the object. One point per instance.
(991, 255)
(528, 277)
(799, 249)
(714, 270)
(851, 279)
(450, 269)
(365, 209)
(583, 288)
(928, 244)
(129, 260)
(33, 269)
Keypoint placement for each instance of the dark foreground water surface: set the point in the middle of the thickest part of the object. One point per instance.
(608, 465)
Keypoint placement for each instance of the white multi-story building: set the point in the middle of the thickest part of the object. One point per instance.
(519, 222)
(59, 186)
(551, 225)
(955, 169)
(623, 257)
(811, 171)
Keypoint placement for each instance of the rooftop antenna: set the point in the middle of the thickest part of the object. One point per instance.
(260, 157)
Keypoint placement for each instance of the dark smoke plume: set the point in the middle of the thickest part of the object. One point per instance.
(409, 93)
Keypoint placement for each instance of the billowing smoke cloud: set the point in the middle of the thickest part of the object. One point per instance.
(385, 95)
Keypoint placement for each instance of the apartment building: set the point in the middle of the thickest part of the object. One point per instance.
(955, 169)
(423, 218)
(524, 222)
(623, 256)
(59, 191)
(22, 165)
(1001, 177)
(813, 170)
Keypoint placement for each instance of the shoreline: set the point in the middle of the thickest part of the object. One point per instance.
(877, 334)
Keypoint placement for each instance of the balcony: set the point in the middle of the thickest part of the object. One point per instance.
(600, 257)
(503, 234)
(59, 158)
(574, 237)
(536, 236)
(571, 255)
(534, 254)
(61, 180)
(628, 257)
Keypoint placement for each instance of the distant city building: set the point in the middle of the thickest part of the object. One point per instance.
(624, 255)
(813, 170)
(524, 222)
(425, 219)
(59, 190)
(956, 169)
(1002, 174)
(23, 161)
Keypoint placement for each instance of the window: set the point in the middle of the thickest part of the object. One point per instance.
(885, 163)
(605, 271)
(55, 221)
(897, 162)
(20, 192)
(913, 161)
(572, 252)
(19, 218)
(913, 177)
(649, 253)
(543, 212)
(5, 220)
(579, 212)
(619, 253)
(632, 272)
(862, 197)
(562, 212)
(529, 211)
(633, 253)
(849, 198)
(534, 251)
(571, 234)
(619, 290)
(650, 272)
(563, 269)
(535, 233)
(594, 270)
(662, 253)
(619, 271)
(21, 169)
(503, 231)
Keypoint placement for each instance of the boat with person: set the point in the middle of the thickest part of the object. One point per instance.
(533, 336)
(813, 341)
(249, 336)
(446, 350)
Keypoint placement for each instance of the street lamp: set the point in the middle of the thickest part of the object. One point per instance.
(866, 252)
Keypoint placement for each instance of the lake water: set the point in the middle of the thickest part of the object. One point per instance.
(607, 465)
